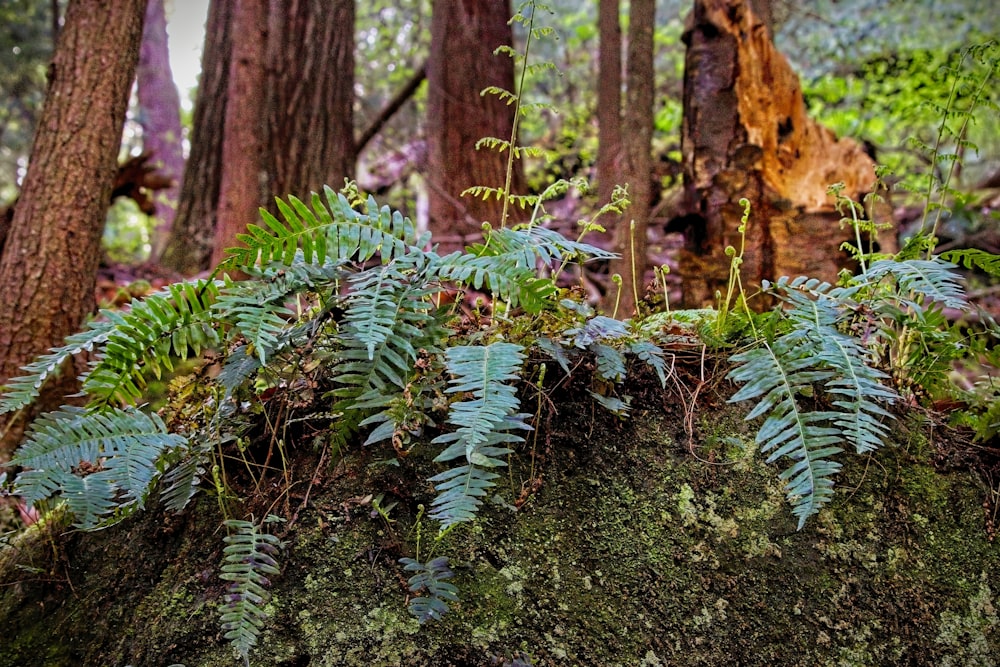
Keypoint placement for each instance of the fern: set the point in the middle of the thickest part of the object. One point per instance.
(931, 279)
(250, 554)
(23, 390)
(815, 351)
(430, 579)
(484, 424)
(326, 230)
(176, 321)
(99, 463)
(973, 258)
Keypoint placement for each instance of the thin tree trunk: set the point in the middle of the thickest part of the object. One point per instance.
(609, 96)
(243, 143)
(189, 247)
(464, 35)
(310, 120)
(160, 116)
(630, 234)
(49, 264)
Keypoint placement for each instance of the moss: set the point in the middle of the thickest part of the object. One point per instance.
(632, 552)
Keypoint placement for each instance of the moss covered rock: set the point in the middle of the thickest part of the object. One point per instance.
(636, 545)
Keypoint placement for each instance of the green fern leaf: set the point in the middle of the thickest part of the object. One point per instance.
(932, 279)
(320, 229)
(484, 424)
(610, 362)
(250, 554)
(23, 390)
(430, 579)
(175, 322)
(778, 374)
(653, 356)
(973, 258)
(122, 447)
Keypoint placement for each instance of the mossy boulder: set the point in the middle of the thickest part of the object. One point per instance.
(661, 539)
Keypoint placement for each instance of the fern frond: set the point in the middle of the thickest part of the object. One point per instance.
(23, 389)
(597, 329)
(430, 579)
(320, 230)
(778, 374)
(390, 317)
(973, 258)
(509, 282)
(121, 447)
(250, 554)
(484, 424)
(932, 279)
(175, 322)
(653, 356)
(610, 362)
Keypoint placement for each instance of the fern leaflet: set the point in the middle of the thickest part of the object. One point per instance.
(119, 449)
(484, 424)
(430, 579)
(250, 554)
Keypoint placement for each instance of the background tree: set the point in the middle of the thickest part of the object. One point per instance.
(49, 263)
(609, 97)
(302, 107)
(243, 135)
(189, 247)
(630, 231)
(160, 117)
(747, 135)
(461, 64)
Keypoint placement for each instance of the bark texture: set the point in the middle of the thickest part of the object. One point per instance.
(641, 547)
(609, 98)
(160, 116)
(746, 134)
(464, 34)
(49, 264)
(241, 191)
(189, 247)
(630, 233)
(310, 114)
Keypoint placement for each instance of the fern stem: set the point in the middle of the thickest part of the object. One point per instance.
(517, 121)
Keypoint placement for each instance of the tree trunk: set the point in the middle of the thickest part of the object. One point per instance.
(311, 109)
(609, 98)
(746, 135)
(630, 232)
(464, 34)
(49, 264)
(296, 120)
(189, 247)
(243, 139)
(160, 116)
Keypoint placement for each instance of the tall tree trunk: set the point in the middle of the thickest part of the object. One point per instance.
(464, 34)
(746, 135)
(189, 247)
(609, 98)
(243, 141)
(301, 106)
(49, 264)
(630, 233)
(311, 104)
(160, 116)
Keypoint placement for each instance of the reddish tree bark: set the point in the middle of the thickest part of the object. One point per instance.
(243, 142)
(49, 263)
(609, 98)
(464, 34)
(630, 232)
